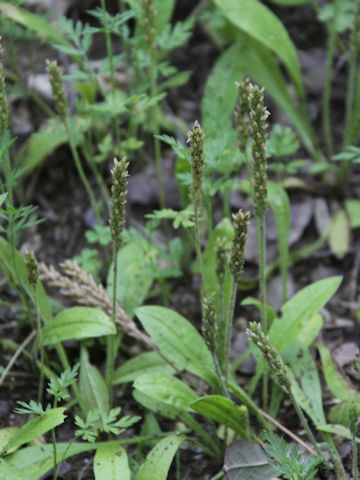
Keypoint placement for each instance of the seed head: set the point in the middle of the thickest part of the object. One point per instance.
(241, 113)
(196, 142)
(31, 267)
(240, 224)
(258, 117)
(149, 15)
(55, 78)
(222, 257)
(277, 366)
(118, 200)
(209, 324)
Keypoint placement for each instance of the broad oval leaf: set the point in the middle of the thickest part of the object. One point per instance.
(245, 460)
(257, 21)
(37, 460)
(290, 3)
(166, 389)
(224, 411)
(111, 463)
(77, 323)
(147, 362)
(179, 341)
(92, 386)
(36, 427)
(300, 309)
(353, 210)
(339, 387)
(158, 461)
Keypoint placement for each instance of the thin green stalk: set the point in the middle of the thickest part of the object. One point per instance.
(53, 441)
(260, 225)
(305, 424)
(228, 327)
(350, 97)
(355, 458)
(81, 172)
(110, 353)
(339, 467)
(156, 130)
(111, 64)
(198, 246)
(42, 350)
(328, 77)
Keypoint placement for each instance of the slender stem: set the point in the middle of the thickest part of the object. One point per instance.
(350, 95)
(111, 341)
(228, 327)
(155, 125)
(111, 64)
(328, 78)
(53, 440)
(355, 456)
(339, 467)
(16, 355)
(198, 245)
(81, 172)
(305, 424)
(260, 227)
(42, 350)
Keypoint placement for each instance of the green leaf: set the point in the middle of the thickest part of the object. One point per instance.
(258, 22)
(166, 389)
(147, 362)
(339, 387)
(37, 23)
(299, 310)
(6, 434)
(36, 427)
(179, 341)
(164, 10)
(10, 472)
(339, 235)
(158, 461)
(337, 430)
(222, 410)
(156, 406)
(111, 463)
(353, 210)
(78, 323)
(280, 205)
(303, 367)
(37, 460)
(245, 460)
(92, 386)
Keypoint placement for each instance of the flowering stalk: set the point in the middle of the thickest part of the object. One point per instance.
(240, 223)
(149, 15)
(33, 276)
(56, 83)
(117, 222)
(279, 371)
(196, 142)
